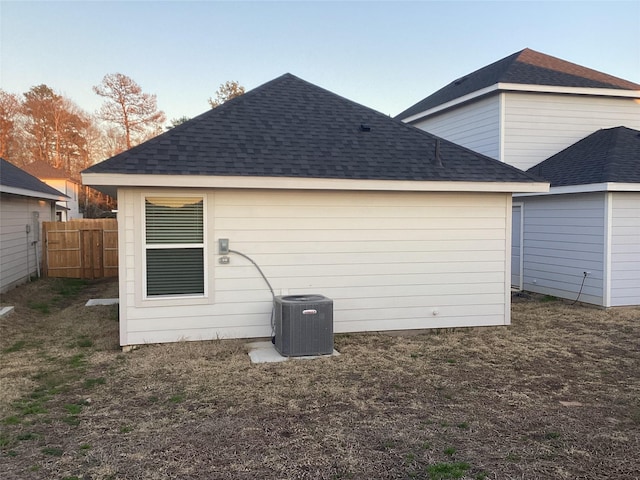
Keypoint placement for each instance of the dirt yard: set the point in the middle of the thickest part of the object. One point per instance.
(554, 396)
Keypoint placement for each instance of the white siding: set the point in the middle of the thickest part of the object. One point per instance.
(563, 238)
(389, 261)
(17, 251)
(70, 189)
(625, 248)
(537, 126)
(475, 126)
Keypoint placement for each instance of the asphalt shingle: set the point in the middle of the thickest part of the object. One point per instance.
(12, 176)
(608, 155)
(526, 67)
(291, 128)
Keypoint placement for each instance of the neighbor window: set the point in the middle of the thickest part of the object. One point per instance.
(174, 246)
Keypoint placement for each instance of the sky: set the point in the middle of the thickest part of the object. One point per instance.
(386, 55)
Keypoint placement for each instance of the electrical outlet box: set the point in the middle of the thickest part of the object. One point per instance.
(223, 246)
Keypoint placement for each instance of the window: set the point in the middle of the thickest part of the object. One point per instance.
(174, 245)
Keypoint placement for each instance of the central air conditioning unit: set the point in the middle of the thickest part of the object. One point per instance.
(303, 325)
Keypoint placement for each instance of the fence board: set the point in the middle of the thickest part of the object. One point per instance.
(86, 248)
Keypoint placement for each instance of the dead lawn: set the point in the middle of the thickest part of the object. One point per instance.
(555, 395)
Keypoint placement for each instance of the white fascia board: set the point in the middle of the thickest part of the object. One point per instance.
(521, 87)
(32, 193)
(452, 103)
(289, 183)
(590, 188)
(598, 92)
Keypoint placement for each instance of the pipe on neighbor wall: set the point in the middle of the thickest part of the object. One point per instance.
(35, 250)
(28, 229)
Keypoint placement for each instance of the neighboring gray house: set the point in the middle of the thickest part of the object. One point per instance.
(403, 230)
(25, 201)
(522, 110)
(587, 227)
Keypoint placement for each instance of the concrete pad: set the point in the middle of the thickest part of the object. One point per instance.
(102, 301)
(5, 311)
(265, 352)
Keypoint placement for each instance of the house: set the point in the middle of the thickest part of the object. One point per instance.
(58, 179)
(522, 110)
(403, 230)
(582, 238)
(526, 107)
(25, 202)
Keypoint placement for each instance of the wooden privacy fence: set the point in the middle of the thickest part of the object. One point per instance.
(85, 248)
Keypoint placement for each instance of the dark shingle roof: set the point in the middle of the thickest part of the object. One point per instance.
(608, 155)
(42, 169)
(291, 128)
(526, 67)
(12, 176)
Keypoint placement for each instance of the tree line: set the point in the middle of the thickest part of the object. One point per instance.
(45, 125)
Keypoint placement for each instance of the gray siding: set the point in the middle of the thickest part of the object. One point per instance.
(563, 238)
(625, 248)
(475, 126)
(17, 252)
(537, 125)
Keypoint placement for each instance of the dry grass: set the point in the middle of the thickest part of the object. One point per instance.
(556, 395)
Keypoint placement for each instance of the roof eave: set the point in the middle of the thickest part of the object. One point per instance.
(24, 192)
(111, 181)
(588, 188)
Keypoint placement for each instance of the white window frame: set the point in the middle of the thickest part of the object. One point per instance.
(145, 247)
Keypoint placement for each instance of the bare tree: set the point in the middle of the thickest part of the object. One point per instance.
(55, 129)
(129, 107)
(228, 90)
(10, 106)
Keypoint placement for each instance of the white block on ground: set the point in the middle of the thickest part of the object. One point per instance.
(265, 352)
(102, 301)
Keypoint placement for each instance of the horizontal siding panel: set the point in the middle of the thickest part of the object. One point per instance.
(565, 250)
(342, 270)
(380, 261)
(350, 281)
(368, 200)
(565, 240)
(415, 313)
(298, 224)
(379, 235)
(434, 322)
(378, 212)
(310, 247)
(395, 291)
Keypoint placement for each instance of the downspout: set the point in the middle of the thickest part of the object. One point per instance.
(35, 250)
(27, 229)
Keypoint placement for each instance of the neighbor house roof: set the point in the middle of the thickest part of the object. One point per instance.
(526, 67)
(45, 171)
(16, 181)
(291, 128)
(606, 156)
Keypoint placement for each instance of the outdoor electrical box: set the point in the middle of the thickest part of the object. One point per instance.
(223, 246)
(303, 325)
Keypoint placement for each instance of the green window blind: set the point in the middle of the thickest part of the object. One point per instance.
(175, 250)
